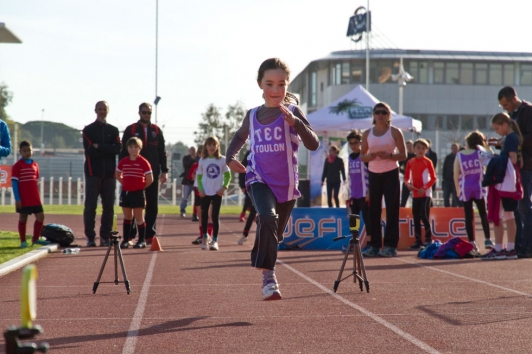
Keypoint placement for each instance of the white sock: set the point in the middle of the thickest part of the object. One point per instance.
(510, 246)
(498, 247)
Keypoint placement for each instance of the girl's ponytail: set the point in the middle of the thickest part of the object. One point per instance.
(290, 98)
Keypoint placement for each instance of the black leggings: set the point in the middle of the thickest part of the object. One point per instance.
(206, 201)
(384, 184)
(421, 212)
(469, 218)
(333, 189)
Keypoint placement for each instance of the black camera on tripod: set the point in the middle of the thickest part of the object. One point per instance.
(359, 271)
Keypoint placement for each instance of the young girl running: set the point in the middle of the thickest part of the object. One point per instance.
(213, 179)
(358, 181)
(275, 130)
(511, 148)
(468, 174)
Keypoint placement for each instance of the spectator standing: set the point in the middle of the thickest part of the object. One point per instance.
(188, 185)
(419, 178)
(383, 146)
(24, 180)
(468, 175)
(405, 193)
(101, 142)
(447, 184)
(153, 150)
(521, 112)
(334, 173)
(5, 140)
(433, 156)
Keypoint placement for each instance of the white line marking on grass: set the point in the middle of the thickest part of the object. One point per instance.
(370, 314)
(133, 332)
(466, 278)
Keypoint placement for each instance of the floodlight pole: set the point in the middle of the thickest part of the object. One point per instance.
(156, 54)
(367, 46)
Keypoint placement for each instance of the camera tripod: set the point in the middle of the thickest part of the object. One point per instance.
(359, 272)
(113, 238)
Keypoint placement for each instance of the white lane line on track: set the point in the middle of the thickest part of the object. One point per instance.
(133, 332)
(368, 313)
(464, 277)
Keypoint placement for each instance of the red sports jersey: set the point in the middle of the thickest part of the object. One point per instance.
(27, 176)
(419, 172)
(134, 173)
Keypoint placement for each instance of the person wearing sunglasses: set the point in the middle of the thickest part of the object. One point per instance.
(382, 147)
(153, 150)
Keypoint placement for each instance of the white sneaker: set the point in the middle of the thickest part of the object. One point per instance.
(474, 244)
(242, 240)
(214, 246)
(205, 242)
(271, 292)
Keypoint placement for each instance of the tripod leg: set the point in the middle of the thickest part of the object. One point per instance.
(362, 269)
(339, 279)
(97, 282)
(126, 281)
(116, 248)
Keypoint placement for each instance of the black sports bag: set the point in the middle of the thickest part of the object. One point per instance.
(57, 233)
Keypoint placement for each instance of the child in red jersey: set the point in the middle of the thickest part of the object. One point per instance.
(419, 178)
(24, 179)
(135, 174)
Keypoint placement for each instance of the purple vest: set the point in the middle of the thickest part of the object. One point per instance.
(273, 157)
(358, 178)
(471, 174)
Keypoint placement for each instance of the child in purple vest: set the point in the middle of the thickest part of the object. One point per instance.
(275, 131)
(468, 175)
(358, 181)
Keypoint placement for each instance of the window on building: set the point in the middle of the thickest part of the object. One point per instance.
(438, 122)
(453, 123)
(424, 120)
(495, 74)
(411, 67)
(313, 100)
(526, 74)
(481, 74)
(373, 71)
(357, 70)
(423, 72)
(468, 123)
(508, 75)
(439, 71)
(466, 73)
(346, 79)
(385, 71)
(336, 74)
(452, 71)
(482, 122)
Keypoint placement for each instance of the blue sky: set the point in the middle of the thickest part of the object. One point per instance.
(75, 53)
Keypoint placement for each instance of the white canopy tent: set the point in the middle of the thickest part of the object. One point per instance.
(354, 111)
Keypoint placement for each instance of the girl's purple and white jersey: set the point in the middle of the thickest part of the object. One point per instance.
(471, 174)
(358, 177)
(273, 157)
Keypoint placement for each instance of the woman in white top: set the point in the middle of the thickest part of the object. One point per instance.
(382, 147)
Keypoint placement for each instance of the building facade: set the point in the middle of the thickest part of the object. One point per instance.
(452, 93)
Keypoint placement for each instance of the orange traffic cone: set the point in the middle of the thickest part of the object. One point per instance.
(155, 245)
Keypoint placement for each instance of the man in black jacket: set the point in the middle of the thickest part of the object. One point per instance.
(449, 189)
(153, 150)
(101, 142)
(521, 112)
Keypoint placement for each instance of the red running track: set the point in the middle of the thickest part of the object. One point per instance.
(185, 300)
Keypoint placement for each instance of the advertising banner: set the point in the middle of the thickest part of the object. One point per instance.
(5, 176)
(315, 228)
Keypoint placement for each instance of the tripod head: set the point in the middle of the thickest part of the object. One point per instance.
(354, 226)
(113, 236)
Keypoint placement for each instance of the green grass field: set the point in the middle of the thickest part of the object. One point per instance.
(78, 209)
(10, 241)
